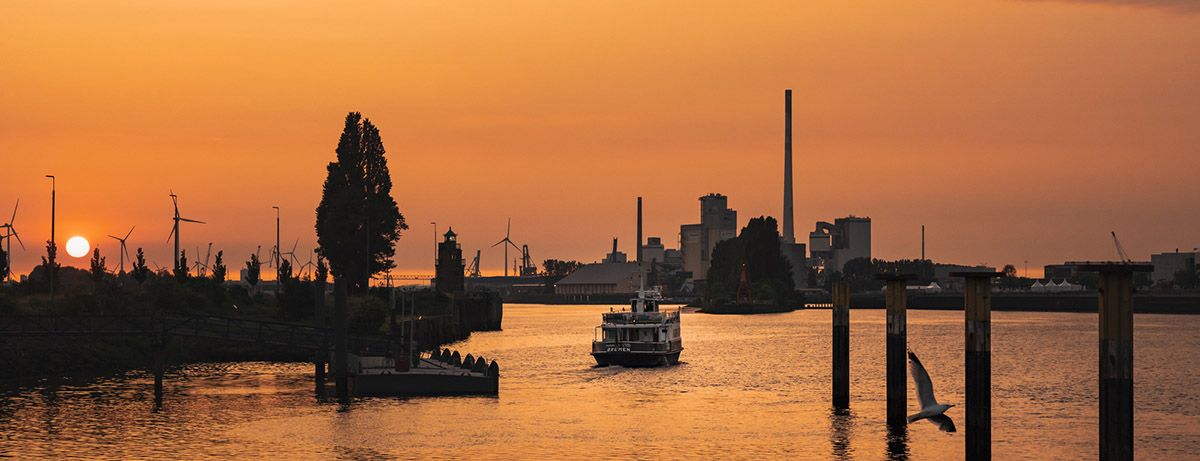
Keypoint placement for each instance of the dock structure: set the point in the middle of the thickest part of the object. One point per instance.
(977, 302)
(841, 345)
(1116, 356)
(897, 345)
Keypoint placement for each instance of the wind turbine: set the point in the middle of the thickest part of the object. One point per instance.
(196, 265)
(308, 264)
(292, 254)
(175, 230)
(507, 231)
(9, 233)
(124, 252)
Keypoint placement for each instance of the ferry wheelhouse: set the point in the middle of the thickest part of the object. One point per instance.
(642, 336)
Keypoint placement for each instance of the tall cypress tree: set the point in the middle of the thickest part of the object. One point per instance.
(218, 272)
(358, 221)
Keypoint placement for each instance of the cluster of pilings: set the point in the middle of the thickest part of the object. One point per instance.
(468, 363)
(1115, 340)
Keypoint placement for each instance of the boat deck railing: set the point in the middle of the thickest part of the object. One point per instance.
(640, 317)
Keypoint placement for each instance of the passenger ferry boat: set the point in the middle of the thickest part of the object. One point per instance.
(642, 336)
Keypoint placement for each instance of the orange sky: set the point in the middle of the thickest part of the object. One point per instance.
(1015, 130)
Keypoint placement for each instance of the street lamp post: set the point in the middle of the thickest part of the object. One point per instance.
(277, 249)
(435, 243)
(53, 256)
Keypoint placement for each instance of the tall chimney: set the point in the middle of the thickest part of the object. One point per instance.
(922, 242)
(789, 234)
(614, 253)
(639, 241)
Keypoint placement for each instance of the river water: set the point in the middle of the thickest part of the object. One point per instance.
(748, 387)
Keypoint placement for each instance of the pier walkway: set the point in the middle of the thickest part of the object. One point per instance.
(272, 333)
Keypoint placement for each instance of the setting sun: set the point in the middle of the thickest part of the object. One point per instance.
(77, 247)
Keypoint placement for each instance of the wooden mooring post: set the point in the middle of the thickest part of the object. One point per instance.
(1116, 357)
(841, 345)
(321, 357)
(896, 301)
(977, 304)
(159, 350)
(341, 373)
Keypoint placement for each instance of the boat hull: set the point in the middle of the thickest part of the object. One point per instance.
(637, 359)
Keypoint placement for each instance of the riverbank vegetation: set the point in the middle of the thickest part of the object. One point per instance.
(754, 257)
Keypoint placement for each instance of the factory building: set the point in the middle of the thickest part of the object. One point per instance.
(601, 278)
(1167, 264)
(653, 251)
(696, 241)
(831, 245)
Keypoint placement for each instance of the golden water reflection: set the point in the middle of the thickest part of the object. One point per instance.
(748, 387)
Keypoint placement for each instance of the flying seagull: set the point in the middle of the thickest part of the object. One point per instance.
(930, 409)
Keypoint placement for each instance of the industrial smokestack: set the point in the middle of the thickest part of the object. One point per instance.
(639, 241)
(613, 258)
(922, 242)
(789, 234)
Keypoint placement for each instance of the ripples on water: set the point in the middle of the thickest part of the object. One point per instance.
(748, 387)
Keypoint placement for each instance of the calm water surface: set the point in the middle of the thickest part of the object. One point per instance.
(749, 387)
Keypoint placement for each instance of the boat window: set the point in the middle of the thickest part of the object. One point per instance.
(610, 335)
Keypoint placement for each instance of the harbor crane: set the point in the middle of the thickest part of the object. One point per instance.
(1120, 250)
(473, 270)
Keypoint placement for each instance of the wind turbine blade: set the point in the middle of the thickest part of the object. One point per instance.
(497, 243)
(115, 237)
(172, 233)
(294, 245)
(14, 234)
(508, 229)
(14, 216)
(128, 234)
(191, 220)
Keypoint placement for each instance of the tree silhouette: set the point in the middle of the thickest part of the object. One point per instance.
(1010, 270)
(218, 272)
(358, 221)
(758, 248)
(98, 270)
(49, 265)
(253, 266)
(556, 268)
(285, 272)
(3, 264)
(140, 271)
(322, 274)
(181, 269)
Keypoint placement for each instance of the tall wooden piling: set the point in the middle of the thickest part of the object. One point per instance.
(841, 345)
(977, 304)
(159, 347)
(341, 373)
(321, 356)
(897, 345)
(1116, 357)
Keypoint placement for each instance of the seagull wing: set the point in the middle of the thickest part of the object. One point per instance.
(943, 422)
(921, 380)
